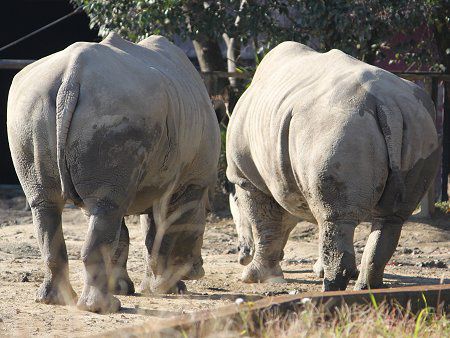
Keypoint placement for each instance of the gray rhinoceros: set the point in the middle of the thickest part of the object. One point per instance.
(119, 129)
(326, 138)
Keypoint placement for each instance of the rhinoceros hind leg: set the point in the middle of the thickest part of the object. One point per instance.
(56, 288)
(336, 248)
(120, 281)
(102, 237)
(380, 247)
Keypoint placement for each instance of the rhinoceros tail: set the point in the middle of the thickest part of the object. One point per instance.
(66, 102)
(390, 120)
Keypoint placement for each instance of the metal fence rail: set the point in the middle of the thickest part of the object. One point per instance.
(416, 297)
(430, 80)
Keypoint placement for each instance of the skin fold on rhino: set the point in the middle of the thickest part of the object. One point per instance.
(326, 138)
(119, 129)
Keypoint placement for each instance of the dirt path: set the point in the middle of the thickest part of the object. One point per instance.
(21, 273)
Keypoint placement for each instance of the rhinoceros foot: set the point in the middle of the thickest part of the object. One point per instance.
(257, 273)
(364, 286)
(151, 285)
(122, 285)
(56, 293)
(318, 268)
(355, 275)
(319, 271)
(94, 300)
(195, 273)
(245, 254)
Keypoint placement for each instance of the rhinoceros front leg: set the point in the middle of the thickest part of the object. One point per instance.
(101, 240)
(380, 247)
(197, 271)
(174, 252)
(56, 288)
(318, 268)
(266, 217)
(154, 261)
(289, 224)
(337, 253)
(120, 282)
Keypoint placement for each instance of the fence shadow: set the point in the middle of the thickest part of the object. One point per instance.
(416, 280)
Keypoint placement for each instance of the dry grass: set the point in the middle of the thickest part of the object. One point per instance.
(310, 321)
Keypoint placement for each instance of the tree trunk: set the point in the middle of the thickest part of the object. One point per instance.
(232, 47)
(233, 50)
(210, 59)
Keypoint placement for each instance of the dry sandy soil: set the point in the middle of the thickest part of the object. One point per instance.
(21, 271)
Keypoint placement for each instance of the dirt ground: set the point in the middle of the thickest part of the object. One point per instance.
(423, 243)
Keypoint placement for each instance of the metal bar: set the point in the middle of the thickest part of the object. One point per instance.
(421, 75)
(19, 64)
(14, 64)
(236, 75)
(405, 75)
(417, 297)
(77, 10)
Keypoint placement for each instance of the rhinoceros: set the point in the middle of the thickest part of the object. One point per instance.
(326, 138)
(119, 129)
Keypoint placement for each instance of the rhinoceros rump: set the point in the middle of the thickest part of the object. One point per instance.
(326, 138)
(119, 129)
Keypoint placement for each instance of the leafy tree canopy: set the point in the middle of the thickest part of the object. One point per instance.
(362, 28)
(266, 21)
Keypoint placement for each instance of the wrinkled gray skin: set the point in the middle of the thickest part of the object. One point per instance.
(119, 129)
(334, 141)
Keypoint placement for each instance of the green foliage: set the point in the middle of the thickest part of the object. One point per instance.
(444, 207)
(359, 27)
(246, 20)
(362, 28)
(427, 24)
